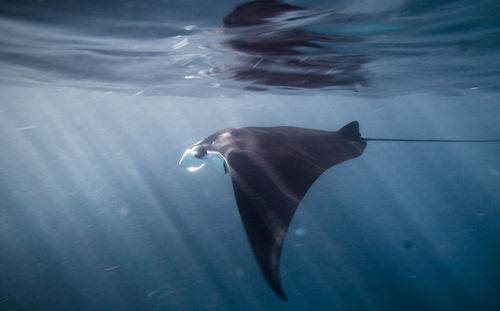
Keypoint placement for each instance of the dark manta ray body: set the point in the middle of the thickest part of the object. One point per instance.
(271, 169)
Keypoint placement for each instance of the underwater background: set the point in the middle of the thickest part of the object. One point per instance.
(99, 100)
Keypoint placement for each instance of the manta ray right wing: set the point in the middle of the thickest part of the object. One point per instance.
(271, 171)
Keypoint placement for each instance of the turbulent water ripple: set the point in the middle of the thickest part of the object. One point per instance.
(449, 49)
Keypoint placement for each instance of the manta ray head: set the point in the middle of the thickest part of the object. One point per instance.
(201, 153)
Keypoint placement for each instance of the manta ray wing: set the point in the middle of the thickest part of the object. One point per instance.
(271, 170)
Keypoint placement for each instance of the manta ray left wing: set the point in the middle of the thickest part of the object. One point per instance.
(271, 171)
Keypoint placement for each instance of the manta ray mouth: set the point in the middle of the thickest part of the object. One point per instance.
(190, 161)
(193, 162)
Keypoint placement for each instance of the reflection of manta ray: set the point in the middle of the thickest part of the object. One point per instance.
(271, 169)
(278, 52)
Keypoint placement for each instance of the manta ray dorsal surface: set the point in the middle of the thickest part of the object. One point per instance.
(271, 170)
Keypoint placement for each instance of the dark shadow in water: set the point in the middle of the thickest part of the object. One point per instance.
(277, 50)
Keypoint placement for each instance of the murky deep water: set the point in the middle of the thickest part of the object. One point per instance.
(98, 100)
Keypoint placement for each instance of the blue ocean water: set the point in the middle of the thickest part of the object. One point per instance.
(99, 99)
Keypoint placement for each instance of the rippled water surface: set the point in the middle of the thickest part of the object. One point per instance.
(171, 47)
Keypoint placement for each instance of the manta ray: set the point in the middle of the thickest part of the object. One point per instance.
(271, 169)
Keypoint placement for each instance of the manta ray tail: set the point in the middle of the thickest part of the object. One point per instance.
(434, 140)
(351, 132)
